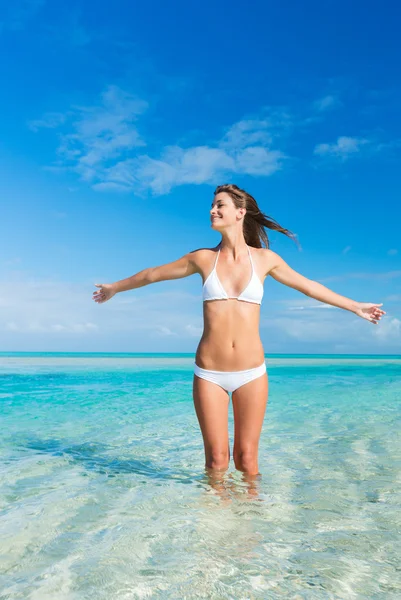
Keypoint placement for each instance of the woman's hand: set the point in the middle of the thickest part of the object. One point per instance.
(369, 311)
(107, 291)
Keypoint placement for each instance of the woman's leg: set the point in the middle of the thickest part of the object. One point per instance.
(249, 407)
(211, 405)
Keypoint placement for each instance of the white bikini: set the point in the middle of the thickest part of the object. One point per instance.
(213, 290)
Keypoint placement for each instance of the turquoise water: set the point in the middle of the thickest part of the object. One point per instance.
(104, 495)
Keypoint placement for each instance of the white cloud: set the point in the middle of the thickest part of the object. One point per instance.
(193, 330)
(392, 252)
(99, 134)
(386, 275)
(102, 133)
(390, 146)
(59, 310)
(389, 329)
(49, 120)
(103, 148)
(328, 102)
(247, 132)
(343, 148)
(332, 329)
(41, 314)
(165, 331)
(303, 303)
(103, 145)
(258, 161)
(28, 326)
(306, 329)
(198, 164)
(314, 307)
(346, 249)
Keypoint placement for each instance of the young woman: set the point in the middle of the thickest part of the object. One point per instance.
(230, 355)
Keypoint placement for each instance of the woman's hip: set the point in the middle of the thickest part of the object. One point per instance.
(230, 380)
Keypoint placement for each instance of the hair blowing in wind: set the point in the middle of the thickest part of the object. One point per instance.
(255, 220)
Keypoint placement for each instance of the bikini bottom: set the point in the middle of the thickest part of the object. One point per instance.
(230, 380)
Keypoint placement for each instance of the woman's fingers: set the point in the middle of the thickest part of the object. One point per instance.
(98, 296)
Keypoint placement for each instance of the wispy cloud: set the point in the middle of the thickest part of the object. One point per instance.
(313, 329)
(392, 252)
(306, 320)
(333, 327)
(347, 147)
(386, 275)
(102, 133)
(194, 330)
(389, 330)
(346, 249)
(196, 165)
(33, 326)
(103, 145)
(304, 303)
(47, 312)
(49, 120)
(328, 102)
(343, 148)
(65, 309)
(248, 132)
(165, 331)
(99, 134)
(389, 146)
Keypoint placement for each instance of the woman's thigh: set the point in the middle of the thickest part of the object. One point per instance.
(211, 406)
(249, 407)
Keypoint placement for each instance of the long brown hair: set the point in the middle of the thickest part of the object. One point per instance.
(255, 220)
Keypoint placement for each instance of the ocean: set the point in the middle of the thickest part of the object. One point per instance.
(104, 494)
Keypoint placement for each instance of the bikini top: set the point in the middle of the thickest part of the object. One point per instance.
(213, 289)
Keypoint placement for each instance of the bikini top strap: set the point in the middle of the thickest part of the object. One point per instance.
(217, 258)
(250, 256)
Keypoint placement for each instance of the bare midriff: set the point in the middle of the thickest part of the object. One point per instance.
(230, 339)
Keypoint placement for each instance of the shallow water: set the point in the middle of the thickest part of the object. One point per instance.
(104, 495)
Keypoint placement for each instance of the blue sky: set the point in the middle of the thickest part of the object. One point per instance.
(119, 120)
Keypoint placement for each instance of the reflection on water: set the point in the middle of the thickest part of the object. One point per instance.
(229, 486)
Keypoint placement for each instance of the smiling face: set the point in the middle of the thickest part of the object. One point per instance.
(224, 213)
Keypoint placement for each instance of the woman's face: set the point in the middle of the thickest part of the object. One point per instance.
(223, 212)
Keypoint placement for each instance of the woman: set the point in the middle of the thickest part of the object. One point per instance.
(230, 355)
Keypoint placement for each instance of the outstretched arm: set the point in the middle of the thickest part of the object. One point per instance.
(183, 267)
(282, 272)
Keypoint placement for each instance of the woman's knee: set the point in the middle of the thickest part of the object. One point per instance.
(217, 459)
(245, 457)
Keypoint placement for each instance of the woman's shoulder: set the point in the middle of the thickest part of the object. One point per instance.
(201, 253)
(265, 258)
(201, 257)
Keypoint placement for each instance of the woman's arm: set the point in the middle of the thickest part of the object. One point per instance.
(282, 272)
(183, 267)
